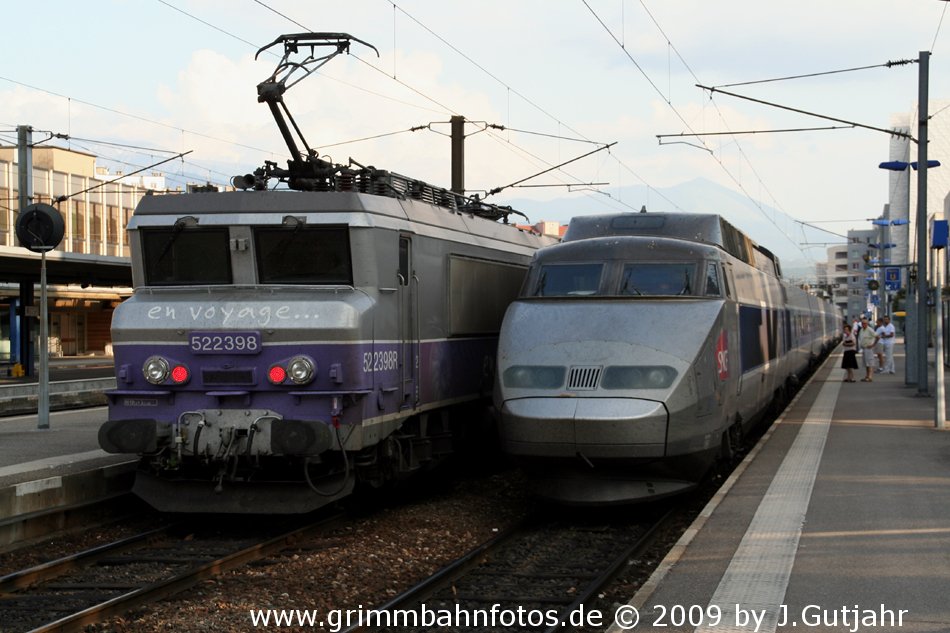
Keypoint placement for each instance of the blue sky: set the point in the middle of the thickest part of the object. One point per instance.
(180, 75)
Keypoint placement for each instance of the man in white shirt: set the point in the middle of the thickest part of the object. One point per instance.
(888, 335)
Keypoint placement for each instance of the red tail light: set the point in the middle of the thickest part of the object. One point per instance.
(277, 374)
(180, 374)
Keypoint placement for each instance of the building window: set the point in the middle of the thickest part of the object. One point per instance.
(78, 213)
(95, 228)
(112, 230)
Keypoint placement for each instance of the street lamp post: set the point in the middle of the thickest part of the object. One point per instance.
(915, 321)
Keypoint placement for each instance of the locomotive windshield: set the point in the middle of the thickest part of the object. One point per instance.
(652, 278)
(557, 280)
(186, 256)
(303, 255)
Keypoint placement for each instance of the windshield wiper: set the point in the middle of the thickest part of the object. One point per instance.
(178, 228)
(539, 287)
(626, 286)
(686, 288)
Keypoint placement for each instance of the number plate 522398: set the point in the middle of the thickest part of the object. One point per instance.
(224, 342)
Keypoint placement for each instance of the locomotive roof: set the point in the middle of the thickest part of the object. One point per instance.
(705, 228)
(351, 208)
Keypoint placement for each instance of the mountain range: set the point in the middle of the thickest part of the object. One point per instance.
(766, 225)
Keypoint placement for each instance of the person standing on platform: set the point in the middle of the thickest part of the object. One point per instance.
(867, 339)
(849, 361)
(888, 337)
(879, 346)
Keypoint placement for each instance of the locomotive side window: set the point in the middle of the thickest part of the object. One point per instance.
(664, 279)
(403, 261)
(303, 255)
(712, 280)
(725, 280)
(184, 256)
(558, 280)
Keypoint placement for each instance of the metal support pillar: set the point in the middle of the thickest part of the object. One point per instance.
(27, 357)
(42, 404)
(923, 332)
(458, 154)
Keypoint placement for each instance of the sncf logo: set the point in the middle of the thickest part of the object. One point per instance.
(722, 356)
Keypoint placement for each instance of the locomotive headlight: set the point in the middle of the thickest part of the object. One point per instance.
(301, 370)
(155, 370)
(533, 377)
(648, 377)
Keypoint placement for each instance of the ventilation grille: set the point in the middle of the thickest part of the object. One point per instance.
(221, 377)
(583, 378)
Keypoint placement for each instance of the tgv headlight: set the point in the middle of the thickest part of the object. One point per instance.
(533, 377)
(300, 369)
(647, 377)
(155, 370)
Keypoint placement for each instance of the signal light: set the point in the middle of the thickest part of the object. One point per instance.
(277, 374)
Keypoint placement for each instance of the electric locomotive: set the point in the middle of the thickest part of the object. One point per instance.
(283, 345)
(640, 351)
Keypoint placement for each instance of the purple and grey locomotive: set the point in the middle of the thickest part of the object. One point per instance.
(642, 348)
(282, 345)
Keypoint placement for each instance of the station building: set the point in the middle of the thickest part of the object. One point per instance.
(89, 272)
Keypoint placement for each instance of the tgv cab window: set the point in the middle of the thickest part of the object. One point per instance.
(558, 280)
(303, 255)
(652, 278)
(712, 280)
(186, 256)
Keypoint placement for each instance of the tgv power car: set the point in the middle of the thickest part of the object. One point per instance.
(642, 348)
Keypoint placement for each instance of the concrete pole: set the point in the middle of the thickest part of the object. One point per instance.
(923, 331)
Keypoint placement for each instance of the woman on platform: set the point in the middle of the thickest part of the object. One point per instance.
(867, 339)
(849, 361)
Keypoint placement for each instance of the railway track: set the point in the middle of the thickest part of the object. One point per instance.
(78, 590)
(535, 577)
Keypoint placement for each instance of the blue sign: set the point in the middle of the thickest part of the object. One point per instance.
(940, 232)
(892, 278)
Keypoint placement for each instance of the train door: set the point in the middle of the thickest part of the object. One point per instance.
(408, 324)
(733, 293)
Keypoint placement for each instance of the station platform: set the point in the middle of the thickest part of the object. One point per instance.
(74, 382)
(63, 368)
(838, 520)
(47, 472)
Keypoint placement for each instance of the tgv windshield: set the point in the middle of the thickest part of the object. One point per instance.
(625, 279)
(557, 280)
(672, 279)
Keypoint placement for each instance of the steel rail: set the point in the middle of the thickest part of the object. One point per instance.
(158, 590)
(448, 575)
(55, 568)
